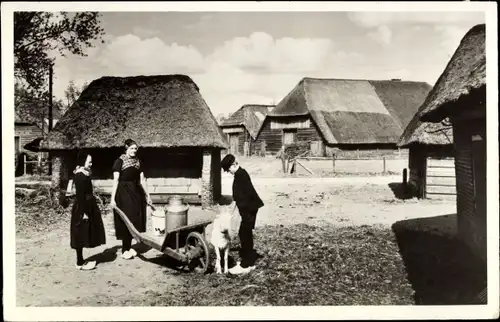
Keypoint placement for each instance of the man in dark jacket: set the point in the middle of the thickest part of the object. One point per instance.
(248, 202)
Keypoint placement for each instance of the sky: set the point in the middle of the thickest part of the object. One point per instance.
(239, 58)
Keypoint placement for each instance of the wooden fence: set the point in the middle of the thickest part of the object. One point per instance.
(289, 166)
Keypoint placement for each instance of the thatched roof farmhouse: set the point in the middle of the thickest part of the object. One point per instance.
(243, 126)
(178, 135)
(348, 113)
(460, 96)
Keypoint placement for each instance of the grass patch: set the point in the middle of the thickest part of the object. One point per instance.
(304, 265)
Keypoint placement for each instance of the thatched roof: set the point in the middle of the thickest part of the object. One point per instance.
(156, 111)
(349, 111)
(250, 116)
(464, 76)
(428, 133)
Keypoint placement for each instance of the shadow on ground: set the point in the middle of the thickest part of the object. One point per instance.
(441, 269)
(106, 256)
(401, 191)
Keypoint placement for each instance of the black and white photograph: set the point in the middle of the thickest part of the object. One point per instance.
(179, 160)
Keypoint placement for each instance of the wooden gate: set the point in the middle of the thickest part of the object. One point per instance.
(440, 177)
(234, 143)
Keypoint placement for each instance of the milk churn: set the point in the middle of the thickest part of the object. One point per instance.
(176, 213)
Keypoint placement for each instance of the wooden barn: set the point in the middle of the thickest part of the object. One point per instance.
(25, 131)
(431, 157)
(29, 129)
(242, 128)
(460, 95)
(343, 113)
(179, 139)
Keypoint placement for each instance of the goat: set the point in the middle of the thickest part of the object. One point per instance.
(220, 238)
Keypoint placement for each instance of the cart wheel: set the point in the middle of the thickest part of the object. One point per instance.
(195, 241)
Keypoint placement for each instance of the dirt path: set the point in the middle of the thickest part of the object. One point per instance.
(45, 264)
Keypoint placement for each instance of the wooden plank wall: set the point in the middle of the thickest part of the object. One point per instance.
(26, 134)
(471, 209)
(272, 138)
(167, 171)
(441, 180)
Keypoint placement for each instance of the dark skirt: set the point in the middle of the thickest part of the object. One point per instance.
(86, 233)
(130, 198)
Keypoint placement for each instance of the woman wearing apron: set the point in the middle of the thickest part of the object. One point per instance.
(130, 194)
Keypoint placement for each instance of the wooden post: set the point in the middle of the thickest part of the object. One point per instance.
(50, 110)
(333, 159)
(24, 164)
(383, 158)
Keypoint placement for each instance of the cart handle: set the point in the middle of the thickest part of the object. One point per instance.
(135, 233)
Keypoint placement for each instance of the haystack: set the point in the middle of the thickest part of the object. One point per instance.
(178, 136)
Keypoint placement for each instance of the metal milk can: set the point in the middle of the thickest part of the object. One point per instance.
(176, 213)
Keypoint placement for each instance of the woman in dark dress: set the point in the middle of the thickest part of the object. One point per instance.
(130, 194)
(87, 228)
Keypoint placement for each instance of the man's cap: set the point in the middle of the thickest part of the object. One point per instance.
(227, 162)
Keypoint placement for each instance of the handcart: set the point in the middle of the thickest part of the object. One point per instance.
(187, 244)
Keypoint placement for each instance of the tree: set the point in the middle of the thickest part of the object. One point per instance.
(38, 34)
(33, 106)
(72, 93)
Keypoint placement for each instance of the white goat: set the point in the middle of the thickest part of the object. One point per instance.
(220, 239)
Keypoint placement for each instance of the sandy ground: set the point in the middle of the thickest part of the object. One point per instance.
(45, 264)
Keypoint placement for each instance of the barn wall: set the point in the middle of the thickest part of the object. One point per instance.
(269, 137)
(306, 131)
(471, 192)
(440, 173)
(26, 134)
(168, 171)
(426, 177)
(417, 164)
(241, 133)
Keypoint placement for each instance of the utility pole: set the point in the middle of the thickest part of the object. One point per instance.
(50, 111)
(50, 96)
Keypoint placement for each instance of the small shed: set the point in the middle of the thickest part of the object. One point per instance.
(348, 114)
(30, 127)
(431, 157)
(460, 95)
(242, 127)
(179, 138)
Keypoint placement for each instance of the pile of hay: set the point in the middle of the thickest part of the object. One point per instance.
(37, 209)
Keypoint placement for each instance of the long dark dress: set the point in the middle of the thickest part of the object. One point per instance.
(130, 197)
(85, 233)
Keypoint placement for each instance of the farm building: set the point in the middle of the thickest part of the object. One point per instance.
(179, 140)
(460, 95)
(430, 162)
(343, 113)
(242, 127)
(27, 130)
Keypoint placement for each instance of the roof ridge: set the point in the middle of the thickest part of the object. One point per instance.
(394, 80)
